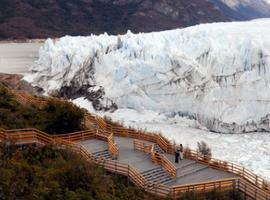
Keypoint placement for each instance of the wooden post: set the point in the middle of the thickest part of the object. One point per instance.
(255, 195)
(234, 187)
(245, 191)
(173, 193)
(115, 168)
(128, 174)
(20, 140)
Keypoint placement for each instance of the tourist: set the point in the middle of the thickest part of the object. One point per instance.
(181, 152)
(177, 154)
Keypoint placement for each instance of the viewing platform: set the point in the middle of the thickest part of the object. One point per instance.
(146, 159)
(187, 171)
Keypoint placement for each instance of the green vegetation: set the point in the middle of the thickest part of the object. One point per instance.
(55, 117)
(32, 172)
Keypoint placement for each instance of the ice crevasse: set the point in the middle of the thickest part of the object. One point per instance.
(215, 73)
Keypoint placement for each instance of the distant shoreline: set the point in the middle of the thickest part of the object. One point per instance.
(38, 40)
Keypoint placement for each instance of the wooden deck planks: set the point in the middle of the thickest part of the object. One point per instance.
(142, 162)
(94, 145)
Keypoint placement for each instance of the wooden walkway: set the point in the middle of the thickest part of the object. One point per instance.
(145, 158)
(188, 171)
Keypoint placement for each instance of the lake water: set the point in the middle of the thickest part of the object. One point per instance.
(18, 57)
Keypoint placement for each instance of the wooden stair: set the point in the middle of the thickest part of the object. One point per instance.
(104, 154)
(157, 176)
(158, 149)
(190, 168)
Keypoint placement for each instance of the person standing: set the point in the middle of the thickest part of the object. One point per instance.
(177, 154)
(181, 152)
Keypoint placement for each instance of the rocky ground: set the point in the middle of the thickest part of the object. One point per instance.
(15, 82)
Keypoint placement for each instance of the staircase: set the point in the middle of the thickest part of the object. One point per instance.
(105, 154)
(190, 168)
(158, 149)
(157, 176)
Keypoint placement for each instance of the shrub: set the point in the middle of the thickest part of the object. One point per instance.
(33, 172)
(56, 117)
(63, 117)
(204, 149)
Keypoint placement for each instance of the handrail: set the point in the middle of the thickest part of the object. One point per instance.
(168, 166)
(251, 191)
(112, 146)
(160, 159)
(230, 167)
(102, 124)
(141, 146)
(221, 185)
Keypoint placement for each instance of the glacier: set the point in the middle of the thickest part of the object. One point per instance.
(183, 83)
(216, 74)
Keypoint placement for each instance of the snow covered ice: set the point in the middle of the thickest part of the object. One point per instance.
(215, 74)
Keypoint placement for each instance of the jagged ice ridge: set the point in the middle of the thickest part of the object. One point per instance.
(216, 73)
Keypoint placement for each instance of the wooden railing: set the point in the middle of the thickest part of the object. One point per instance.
(251, 191)
(2, 135)
(77, 136)
(220, 185)
(230, 167)
(260, 185)
(25, 98)
(160, 159)
(191, 154)
(112, 146)
(156, 157)
(168, 166)
(141, 146)
(101, 123)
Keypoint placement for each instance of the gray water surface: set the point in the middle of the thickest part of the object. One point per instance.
(16, 58)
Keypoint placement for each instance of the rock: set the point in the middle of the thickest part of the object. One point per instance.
(15, 82)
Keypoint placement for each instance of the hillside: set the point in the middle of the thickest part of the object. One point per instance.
(54, 18)
(56, 117)
(48, 173)
(20, 19)
(244, 9)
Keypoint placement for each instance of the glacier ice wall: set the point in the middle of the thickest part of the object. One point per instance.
(216, 73)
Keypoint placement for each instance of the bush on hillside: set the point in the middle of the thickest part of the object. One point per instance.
(56, 117)
(33, 172)
(62, 117)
